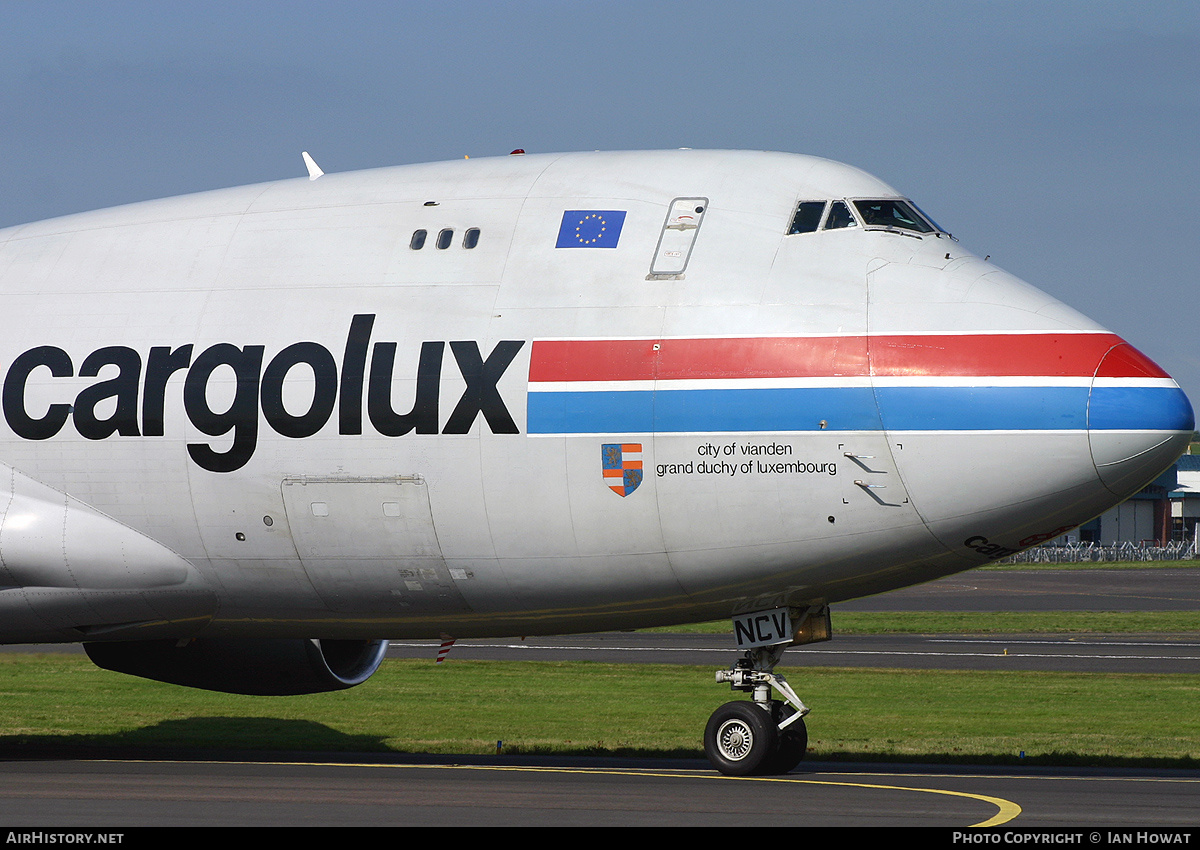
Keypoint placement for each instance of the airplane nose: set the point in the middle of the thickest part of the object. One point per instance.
(1139, 420)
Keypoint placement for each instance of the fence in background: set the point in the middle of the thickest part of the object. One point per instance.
(1074, 553)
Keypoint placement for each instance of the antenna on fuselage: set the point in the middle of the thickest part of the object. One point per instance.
(314, 171)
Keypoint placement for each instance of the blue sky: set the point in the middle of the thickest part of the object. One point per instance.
(1060, 138)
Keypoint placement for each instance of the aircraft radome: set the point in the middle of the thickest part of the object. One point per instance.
(250, 434)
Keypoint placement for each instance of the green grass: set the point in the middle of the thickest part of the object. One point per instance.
(64, 704)
(993, 717)
(989, 622)
(1188, 564)
(1017, 622)
(1003, 622)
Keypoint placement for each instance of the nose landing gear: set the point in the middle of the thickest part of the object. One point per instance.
(763, 736)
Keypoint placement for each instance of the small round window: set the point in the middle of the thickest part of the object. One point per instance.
(443, 240)
(471, 238)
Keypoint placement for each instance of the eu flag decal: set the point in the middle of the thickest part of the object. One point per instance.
(590, 229)
(621, 466)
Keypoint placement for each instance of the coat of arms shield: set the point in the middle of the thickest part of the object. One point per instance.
(621, 466)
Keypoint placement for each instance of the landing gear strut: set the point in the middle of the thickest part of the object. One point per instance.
(763, 736)
(760, 737)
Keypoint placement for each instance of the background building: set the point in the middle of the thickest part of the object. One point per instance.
(1185, 498)
(1165, 511)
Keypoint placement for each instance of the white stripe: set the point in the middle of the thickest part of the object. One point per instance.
(697, 384)
(646, 436)
(1161, 383)
(838, 334)
(959, 381)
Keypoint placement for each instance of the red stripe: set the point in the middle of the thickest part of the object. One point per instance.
(1050, 355)
(1125, 361)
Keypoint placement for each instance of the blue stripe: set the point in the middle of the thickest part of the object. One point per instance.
(1140, 408)
(665, 411)
(591, 413)
(854, 409)
(984, 408)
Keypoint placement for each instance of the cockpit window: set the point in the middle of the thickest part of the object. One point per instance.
(892, 213)
(839, 216)
(812, 216)
(808, 217)
(925, 216)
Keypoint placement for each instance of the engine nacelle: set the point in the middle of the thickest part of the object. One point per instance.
(270, 667)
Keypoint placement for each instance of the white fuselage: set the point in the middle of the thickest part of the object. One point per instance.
(264, 411)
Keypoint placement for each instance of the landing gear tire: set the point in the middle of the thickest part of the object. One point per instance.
(793, 740)
(741, 739)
